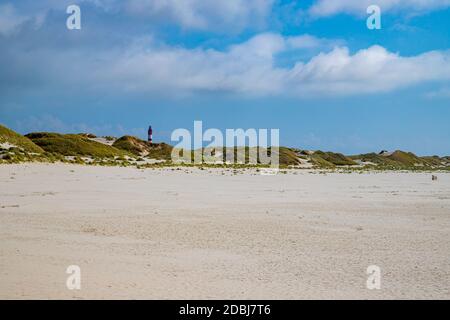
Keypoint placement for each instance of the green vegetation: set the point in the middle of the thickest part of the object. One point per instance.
(13, 138)
(406, 158)
(320, 162)
(73, 145)
(401, 160)
(132, 151)
(88, 135)
(434, 161)
(160, 151)
(131, 144)
(288, 157)
(375, 159)
(336, 159)
(138, 147)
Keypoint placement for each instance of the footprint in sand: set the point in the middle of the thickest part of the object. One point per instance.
(11, 206)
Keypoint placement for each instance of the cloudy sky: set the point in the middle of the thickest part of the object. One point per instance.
(310, 68)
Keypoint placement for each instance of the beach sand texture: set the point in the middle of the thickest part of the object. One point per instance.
(210, 234)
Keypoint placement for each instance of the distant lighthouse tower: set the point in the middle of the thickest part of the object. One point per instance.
(150, 134)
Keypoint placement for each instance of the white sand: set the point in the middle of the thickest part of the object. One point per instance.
(171, 234)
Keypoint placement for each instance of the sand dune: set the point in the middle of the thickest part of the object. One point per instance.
(200, 234)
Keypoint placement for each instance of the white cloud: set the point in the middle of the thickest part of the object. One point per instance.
(204, 14)
(246, 68)
(323, 8)
(372, 70)
(250, 68)
(10, 20)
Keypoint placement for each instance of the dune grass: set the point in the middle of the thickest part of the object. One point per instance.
(9, 136)
(129, 150)
(336, 159)
(73, 145)
(406, 158)
(138, 147)
(401, 160)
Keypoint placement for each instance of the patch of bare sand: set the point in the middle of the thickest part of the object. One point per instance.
(196, 234)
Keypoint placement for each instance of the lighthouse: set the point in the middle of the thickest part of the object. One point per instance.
(150, 134)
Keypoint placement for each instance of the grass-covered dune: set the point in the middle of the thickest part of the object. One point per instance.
(402, 160)
(10, 137)
(376, 159)
(131, 144)
(51, 147)
(73, 145)
(136, 146)
(287, 156)
(331, 159)
(160, 151)
(407, 158)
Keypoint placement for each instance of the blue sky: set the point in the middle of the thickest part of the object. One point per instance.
(309, 68)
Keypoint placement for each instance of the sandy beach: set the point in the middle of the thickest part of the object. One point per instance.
(212, 234)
